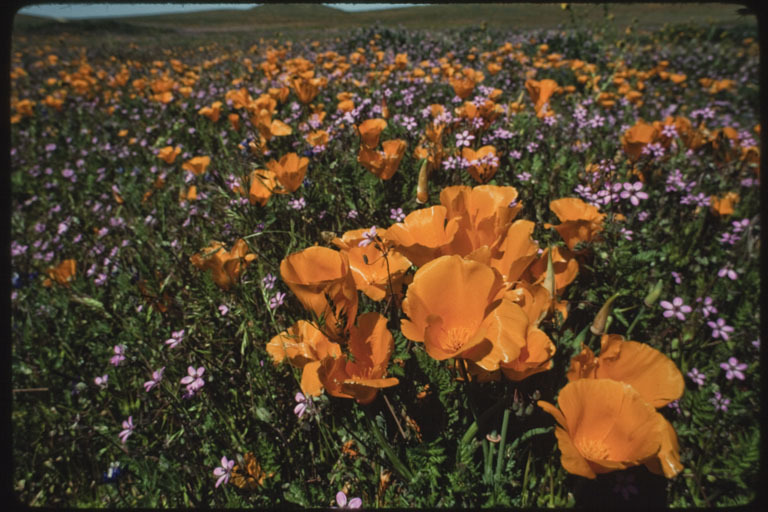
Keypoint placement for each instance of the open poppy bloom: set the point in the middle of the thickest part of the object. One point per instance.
(651, 373)
(63, 273)
(197, 165)
(462, 85)
(213, 112)
(168, 154)
(370, 131)
(290, 170)
(371, 271)
(371, 345)
(483, 163)
(316, 274)
(263, 183)
(306, 87)
(317, 138)
(723, 206)
(540, 92)
(384, 163)
(605, 425)
(423, 233)
(535, 356)
(637, 137)
(305, 346)
(225, 266)
(269, 127)
(454, 307)
(580, 221)
(517, 251)
(483, 212)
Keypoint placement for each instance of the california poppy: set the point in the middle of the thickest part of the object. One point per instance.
(225, 266)
(564, 265)
(517, 251)
(304, 345)
(603, 426)
(384, 163)
(263, 183)
(453, 306)
(317, 275)
(723, 206)
(579, 221)
(423, 233)
(369, 131)
(540, 92)
(213, 112)
(483, 163)
(197, 165)
(371, 345)
(250, 476)
(651, 373)
(290, 170)
(637, 137)
(373, 270)
(535, 356)
(483, 212)
(63, 273)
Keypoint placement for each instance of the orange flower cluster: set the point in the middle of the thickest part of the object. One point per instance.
(607, 412)
(225, 266)
(384, 163)
(480, 293)
(63, 273)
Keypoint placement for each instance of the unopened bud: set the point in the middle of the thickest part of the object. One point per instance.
(654, 294)
(421, 187)
(598, 325)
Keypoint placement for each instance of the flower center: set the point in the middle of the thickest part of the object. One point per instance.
(592, 449)
(456, 337)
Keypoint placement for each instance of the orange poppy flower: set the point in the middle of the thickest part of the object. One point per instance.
(453, 307)
(234, 121)
(317, 138)
(269, 127)
(263, 183)
(369, 131)
(371, 271)
(651, 373)
(535, 356)
(462, 85)
(213, 112)
(540, 92)
(483, 214)
(604, 426)
(564, 265)
(250, 477)
(306, 88)
(483, 162)
(317, 273)
(197, 165)
(371, 345)
(305, 346)
(188, 194)
(580, 221)
(225, 266)
(724, 205)
(423, 233)
(63, 273)
(518, 251)
(290, 170)
(637, 137)
(168, 154)
(384, 163)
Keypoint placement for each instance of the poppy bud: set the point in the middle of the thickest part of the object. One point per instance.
(598, 325)
(421, 188)
(653, 295)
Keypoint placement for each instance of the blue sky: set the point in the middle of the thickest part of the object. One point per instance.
(77, 11)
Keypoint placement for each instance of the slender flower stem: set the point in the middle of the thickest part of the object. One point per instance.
(634, 322)
(502, 445)
(402, 470)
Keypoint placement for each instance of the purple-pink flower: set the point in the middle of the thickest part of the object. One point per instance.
(697, 377)
(223, 471)
(728, 271)
(675, 308)
(157, 376)
(127, 429)
(368, 237)
(176, 338)
(733, 368)
(720, 329)
(194, 380)
(101, 381)
(634, 192)
(341, 500)
(119, 356)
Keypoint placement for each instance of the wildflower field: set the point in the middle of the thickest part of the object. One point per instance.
(384, 267)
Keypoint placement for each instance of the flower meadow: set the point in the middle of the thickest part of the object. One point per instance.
(386, 268)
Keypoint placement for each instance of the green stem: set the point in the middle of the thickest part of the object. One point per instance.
(402, 470)
(502, 445)
(634, 322)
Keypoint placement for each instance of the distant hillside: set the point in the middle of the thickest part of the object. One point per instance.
(317, 16)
